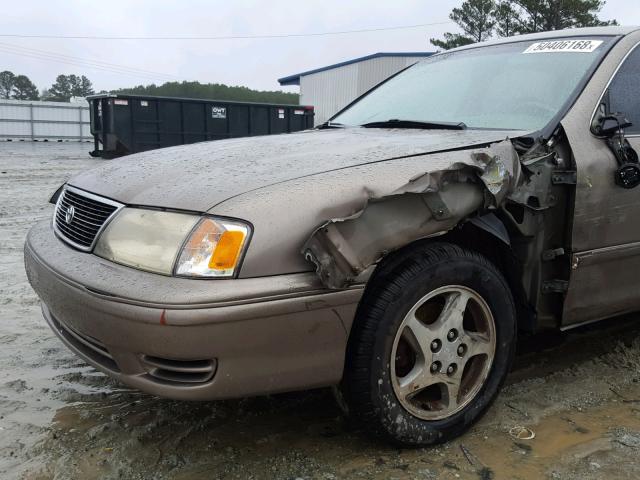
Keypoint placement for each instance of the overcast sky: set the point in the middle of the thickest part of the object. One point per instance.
(256, 63)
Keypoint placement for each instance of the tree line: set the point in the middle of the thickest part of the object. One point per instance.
(17, 87)
(20, 87)
(480, 20)
(216, 91)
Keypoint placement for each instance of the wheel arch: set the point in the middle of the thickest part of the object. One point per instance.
(488, 236)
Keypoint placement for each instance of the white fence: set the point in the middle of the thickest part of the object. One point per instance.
(32, 120)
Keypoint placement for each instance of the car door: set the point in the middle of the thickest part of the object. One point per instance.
(605, 257)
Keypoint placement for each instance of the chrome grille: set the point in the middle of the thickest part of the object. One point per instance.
(79, 217)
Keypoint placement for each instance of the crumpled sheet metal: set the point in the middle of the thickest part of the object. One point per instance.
(427, 205)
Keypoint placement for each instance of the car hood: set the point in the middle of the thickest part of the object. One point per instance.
(197, 177)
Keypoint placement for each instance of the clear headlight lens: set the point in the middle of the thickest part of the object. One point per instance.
(145, 239)
(169, 242)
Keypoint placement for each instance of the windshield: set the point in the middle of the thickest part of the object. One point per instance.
(519, 86)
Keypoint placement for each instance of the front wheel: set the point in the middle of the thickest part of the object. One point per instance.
(431, 345)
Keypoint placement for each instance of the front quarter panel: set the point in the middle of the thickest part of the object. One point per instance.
(285, 215)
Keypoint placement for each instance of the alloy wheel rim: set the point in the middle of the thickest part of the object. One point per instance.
(443, 352)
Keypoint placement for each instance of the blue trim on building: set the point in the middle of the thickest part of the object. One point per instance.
(295, 79)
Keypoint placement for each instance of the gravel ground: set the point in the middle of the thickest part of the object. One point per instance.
(59, 418)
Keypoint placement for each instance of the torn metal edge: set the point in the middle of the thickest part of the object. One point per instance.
(427, 205)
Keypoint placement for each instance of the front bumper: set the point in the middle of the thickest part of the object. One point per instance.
(191, 339)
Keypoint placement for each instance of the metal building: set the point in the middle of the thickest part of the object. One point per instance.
(331, 88)
(34, 120)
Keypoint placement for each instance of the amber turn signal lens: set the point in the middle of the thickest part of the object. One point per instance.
(227, 251)
(213, 249)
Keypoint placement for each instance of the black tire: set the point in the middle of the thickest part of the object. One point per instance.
(398, 283)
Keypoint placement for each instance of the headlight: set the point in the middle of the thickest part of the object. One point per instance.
(174, 243)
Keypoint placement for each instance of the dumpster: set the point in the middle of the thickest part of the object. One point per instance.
(124, 124)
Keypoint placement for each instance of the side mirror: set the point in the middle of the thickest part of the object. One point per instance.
(610, 124)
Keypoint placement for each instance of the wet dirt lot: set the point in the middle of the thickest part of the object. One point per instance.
(59, 418)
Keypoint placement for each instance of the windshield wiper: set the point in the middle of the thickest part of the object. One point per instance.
(397, 123)
(329, 124)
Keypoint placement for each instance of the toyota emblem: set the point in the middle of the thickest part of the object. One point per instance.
(68, 216)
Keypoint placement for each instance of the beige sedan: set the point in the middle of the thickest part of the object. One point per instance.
(395, 251)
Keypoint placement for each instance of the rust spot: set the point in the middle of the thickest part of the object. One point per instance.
(163, 317)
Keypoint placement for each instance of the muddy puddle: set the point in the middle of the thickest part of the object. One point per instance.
(578, 392)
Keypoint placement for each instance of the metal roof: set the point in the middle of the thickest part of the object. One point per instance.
(295, 79)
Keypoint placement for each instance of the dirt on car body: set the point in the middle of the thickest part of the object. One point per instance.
(579, 393)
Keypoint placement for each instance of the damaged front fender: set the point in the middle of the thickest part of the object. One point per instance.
(429, 204)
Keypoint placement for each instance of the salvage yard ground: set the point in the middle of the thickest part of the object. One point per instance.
(59, 418)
